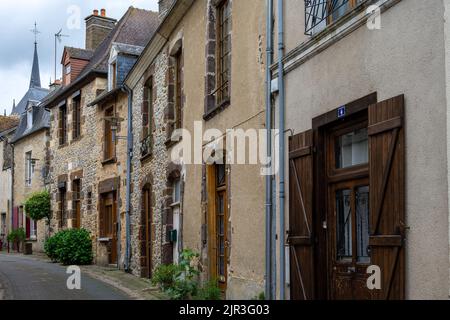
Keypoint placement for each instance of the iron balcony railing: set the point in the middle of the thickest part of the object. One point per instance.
(318, 13)
(146, 146)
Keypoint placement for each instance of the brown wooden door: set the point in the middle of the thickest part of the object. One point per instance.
(148, 230)
(218, 224)
(387, 198)
(349, 239)
(109, 224)
(300, 239)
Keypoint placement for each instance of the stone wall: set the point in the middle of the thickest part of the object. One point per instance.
(152, 169)
(36, 144)
(79, 157)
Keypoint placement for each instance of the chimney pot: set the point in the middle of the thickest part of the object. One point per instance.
(103, 13)
(95, 12)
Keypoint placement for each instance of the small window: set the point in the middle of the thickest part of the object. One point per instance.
(62, 125)
(223, 52)
(113, 76)
(62, 208)
(344, 224)
(147, 114)
(352, 149)
(179, 89)
(29, 118)
(176, 197)
(29, 169)
(68, 69)
(109, 151)
(76, 118)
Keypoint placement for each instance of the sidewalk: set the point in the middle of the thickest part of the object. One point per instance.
(135, 287)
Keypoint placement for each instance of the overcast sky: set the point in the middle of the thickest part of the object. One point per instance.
(17, 18)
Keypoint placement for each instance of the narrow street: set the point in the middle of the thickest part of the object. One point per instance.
(27, 278)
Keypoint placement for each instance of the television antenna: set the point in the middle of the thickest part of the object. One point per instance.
(58, 39)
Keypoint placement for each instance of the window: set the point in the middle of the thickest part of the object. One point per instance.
(176, 196)
(29, 118)
(109, 150)
(223, 52)
(68, 69)
(178, 89)
(147, 113)
(352, 149)
(3, 224)
(320, 13)
(113, 75)
(29, 169)
(62, 125)
(31, 229)
(76, 118)
(76, 203)
(62, 208)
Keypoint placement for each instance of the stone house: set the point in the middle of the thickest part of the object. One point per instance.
(8, 127)
(30, 169)
(112, 126)
(188, 76)
(366, 119)
(79, 174)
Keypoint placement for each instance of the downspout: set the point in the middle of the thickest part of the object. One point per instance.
(128, 187)
(269, 253)
(11, 213)
(282, 146)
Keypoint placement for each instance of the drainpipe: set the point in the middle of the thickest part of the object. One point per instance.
(282, 146)
(12, 190)
(128, 187)
(269, 253)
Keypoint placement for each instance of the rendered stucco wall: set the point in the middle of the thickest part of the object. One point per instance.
(405, 57)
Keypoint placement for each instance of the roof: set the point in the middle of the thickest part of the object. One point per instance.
(7, 123)
(41, 120)
(35, 79)
(105, 95)
(33, 94)
(78, 53)
(128, 48)
(136, 27)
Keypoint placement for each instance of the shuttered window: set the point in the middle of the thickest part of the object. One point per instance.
(62, 125)
(223, 52)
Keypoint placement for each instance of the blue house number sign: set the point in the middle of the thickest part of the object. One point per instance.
(342, 111)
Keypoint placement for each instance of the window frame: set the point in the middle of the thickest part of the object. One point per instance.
(109, 151)
(62, 125)
(223, 85)
(147, 118)
(29, 168)
(76, 118)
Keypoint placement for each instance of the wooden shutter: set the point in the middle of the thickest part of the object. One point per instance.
(15, 218)
(300, 237)
(387, 195)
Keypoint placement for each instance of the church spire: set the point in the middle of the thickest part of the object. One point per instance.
(35, 81)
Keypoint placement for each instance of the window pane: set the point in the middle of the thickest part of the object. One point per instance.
(341, 8)
(352, 149)
(343, 224)
(362, 224)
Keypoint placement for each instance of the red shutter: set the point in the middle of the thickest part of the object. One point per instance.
(387, 195)
(300, 238)
(27, 227)
(15, 219)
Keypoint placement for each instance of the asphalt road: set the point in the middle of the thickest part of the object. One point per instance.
(26, 278)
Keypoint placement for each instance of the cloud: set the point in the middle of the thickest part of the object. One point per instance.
(16, 51)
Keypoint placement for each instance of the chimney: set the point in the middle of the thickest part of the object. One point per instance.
(164, 7)
(97, 28)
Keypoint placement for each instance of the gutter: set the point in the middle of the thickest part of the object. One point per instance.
(127, 90)
(282, 141)
(269, 211)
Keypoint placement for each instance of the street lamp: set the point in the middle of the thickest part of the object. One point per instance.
(114, 127)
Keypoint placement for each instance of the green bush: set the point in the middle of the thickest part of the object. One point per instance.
(37, 206)
(70, 247)
(52, 244)
(178, 281)
(210, 291)
(17, 235)
(165, 275)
